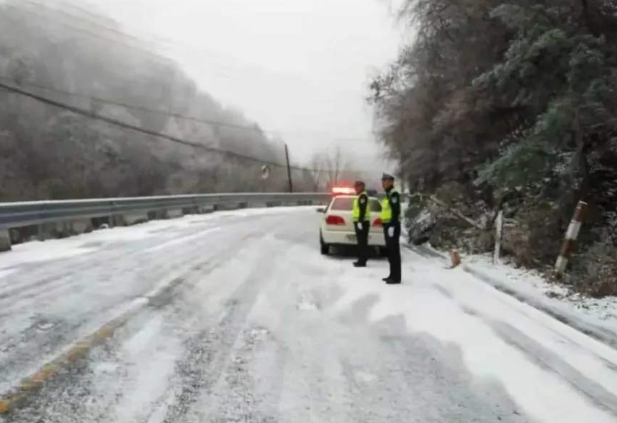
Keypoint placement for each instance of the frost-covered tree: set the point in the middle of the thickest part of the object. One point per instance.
(509, 99)
(49, 153)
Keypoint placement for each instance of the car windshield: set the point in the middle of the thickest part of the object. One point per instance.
(346, 204)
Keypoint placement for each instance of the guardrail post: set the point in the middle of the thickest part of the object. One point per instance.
(40, 232)
(81, 226)
(196, 208)
(135, 218)
(5, 240)
(175, 213)
(118, 220)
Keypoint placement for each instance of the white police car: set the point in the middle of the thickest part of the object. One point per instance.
(337, 226)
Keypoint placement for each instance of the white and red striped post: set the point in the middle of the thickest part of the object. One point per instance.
(570, 241)
(498, 237)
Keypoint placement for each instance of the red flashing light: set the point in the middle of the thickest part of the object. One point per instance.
(343, 191)
(378, 223)
(335, 220)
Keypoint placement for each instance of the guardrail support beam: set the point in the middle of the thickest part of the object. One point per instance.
(81, 226)
(118, 220)
(135, 218)
(172, 214)
(206, 209)
(5, 240)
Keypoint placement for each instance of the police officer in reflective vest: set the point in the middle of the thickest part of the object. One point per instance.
(391, 219)
(362, 222)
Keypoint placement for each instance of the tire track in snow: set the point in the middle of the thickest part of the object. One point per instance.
(40, 300)
(208, 354)
(161, 299)
(602, 334)
(599, 333)
(550, 361)
(104, 252)
(104, 258)
(104, 261)
(24, 347)
(543, 357)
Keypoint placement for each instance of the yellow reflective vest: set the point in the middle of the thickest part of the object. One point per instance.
(356, 209)
(386, 208)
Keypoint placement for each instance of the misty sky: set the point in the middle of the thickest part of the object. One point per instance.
(300, 67)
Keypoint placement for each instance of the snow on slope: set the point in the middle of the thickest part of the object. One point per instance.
(532, 282)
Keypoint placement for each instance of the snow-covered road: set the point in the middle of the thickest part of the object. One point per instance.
(237, 318)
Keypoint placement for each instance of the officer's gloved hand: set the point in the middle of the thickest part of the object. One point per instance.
(391, 231)
(359, 225)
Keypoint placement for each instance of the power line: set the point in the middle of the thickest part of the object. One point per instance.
(93, 20)
(157, 56)
(210, 122)
(140, 42)
(116, 31)
(154, 54)
(115, 122)
(138, 108)
(92, 17)
(96, 116)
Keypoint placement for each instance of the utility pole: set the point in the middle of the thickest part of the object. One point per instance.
(291, 187)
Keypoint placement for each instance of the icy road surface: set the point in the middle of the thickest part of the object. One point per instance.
(260, 328)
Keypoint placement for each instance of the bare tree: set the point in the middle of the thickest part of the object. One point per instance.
(329, 168)
(336, 164)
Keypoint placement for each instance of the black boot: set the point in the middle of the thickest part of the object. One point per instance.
(359, 264)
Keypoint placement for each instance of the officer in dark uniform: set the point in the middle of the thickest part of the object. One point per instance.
(361, 222)
(391, 220)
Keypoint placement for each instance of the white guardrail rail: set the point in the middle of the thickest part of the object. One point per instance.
(19, 215)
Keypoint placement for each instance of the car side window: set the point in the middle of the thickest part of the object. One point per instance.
(375, 205)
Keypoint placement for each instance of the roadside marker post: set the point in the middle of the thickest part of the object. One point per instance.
(455, 258)
(498, 237)
(569, 243)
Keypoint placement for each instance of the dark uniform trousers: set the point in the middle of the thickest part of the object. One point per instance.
(362, 237)
(394, 250)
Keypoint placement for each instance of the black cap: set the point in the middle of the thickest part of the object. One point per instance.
(387, 177)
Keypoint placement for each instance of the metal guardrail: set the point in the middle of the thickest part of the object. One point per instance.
(15, 215)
